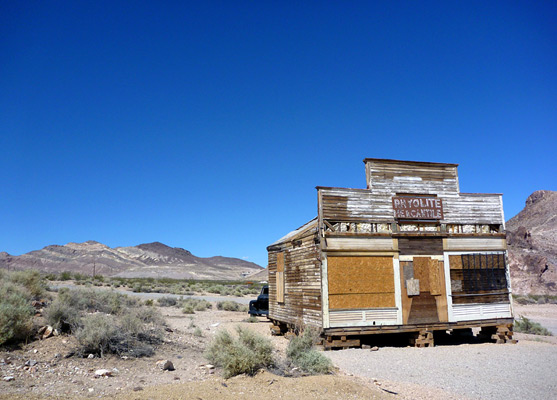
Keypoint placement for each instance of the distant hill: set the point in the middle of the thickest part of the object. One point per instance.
(145, 260)
(532, 238)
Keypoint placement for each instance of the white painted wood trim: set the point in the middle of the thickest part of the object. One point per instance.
(364, 317)
(411, 258)
(476, 244)
(398, 290)
(448, 288)
(382, 244)
(325, 292)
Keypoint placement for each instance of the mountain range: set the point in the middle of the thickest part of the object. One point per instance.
(145, 260)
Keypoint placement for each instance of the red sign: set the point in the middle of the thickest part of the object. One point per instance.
(423, 208)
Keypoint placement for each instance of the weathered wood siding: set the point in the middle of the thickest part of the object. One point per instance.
(302, 283)
(361, 205)
(392, 176)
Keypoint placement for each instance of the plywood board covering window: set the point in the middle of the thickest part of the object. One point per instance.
(280, 277)
(360, 282)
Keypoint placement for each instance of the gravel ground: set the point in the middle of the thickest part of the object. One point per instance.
(470, 371)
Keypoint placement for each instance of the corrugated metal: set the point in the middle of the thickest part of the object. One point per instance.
(470, 312)
(367, 317)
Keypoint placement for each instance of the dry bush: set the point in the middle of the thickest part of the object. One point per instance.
(524, 325)
(232, 306)
(16, 312)
(106, 322)
(302, 354)
(30, 280)
(245, 354)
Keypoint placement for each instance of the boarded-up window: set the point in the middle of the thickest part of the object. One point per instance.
(360, 282)
(280, 277)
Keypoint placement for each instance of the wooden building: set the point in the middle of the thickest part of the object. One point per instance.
(410, 253)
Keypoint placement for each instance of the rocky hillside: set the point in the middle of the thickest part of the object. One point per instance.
(146, 260)
(532, 238)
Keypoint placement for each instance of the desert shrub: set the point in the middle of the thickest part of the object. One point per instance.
(79, 276)
(91, 300)
(202, 305)
(62, 316)
(215, 289)
(16, 312)
(148, 315)
(167, 301)
(245, 354)
(524, 325)
(67, 311)
(51, 277)
(231, 306)
(97, 333)
(252, 319)
(137, 287)
(194, 304)
(198, 332)
(31, 280)
(149, 302)
(188, 309)
(65, 276)
(301, 353)
(128, 334)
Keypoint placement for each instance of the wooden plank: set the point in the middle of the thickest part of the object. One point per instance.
(406, 301)
(360, 282)
(360, 244)
(476, 244)
(441, 299)
(361, 300)
(420, 246)
(424, 309)
(421, 272)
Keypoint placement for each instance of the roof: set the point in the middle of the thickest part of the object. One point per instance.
(302, 229)
(388, 161)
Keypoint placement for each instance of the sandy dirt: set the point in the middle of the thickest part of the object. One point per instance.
(40, 369)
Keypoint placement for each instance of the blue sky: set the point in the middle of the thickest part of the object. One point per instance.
(207, 125)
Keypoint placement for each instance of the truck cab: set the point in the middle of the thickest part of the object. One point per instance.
(261, 305)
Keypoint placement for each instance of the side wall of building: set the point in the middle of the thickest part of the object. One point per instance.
(302, 282)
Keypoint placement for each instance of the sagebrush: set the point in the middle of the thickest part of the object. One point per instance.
(302, 354)
(524, 325)
(244, 354)
(17, 290)
(106, 322)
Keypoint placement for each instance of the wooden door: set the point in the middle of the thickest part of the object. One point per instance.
(424, 297)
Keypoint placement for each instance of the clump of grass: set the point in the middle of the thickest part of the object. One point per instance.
(524, 325)
(302, 354)
(252, 319)
(231, 306)
(245, 354)
(198, 332)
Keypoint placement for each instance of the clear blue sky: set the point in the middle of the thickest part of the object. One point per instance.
(207, 125)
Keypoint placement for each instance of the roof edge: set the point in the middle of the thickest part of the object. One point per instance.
(389, 160)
